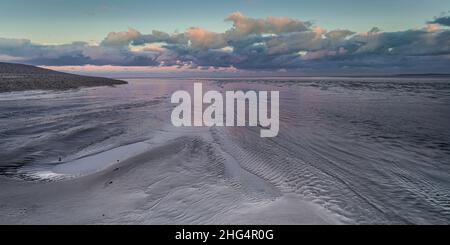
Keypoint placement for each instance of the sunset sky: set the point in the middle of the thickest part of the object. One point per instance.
(299, 37)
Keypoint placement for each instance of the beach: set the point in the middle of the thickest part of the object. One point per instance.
(349, 151)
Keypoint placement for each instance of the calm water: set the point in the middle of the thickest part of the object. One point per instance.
(370, 150)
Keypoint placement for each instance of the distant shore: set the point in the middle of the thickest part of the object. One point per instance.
(18, 77)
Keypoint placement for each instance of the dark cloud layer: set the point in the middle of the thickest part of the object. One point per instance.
(443, 20)
(271, 43)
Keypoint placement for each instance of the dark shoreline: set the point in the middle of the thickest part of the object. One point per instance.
(18, 77)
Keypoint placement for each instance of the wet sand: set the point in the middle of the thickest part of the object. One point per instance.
(169, 183)
(349, 151)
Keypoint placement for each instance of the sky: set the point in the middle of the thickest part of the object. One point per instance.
(321, 36)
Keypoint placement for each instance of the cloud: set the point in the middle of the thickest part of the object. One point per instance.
(404, 43)
(121, 38)
(339, 34)
(443, 20)
(76, 53)
(243, 25)
(272, 43)
(158, 36)
(204, 39)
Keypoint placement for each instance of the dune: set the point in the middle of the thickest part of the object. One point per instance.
(19, 77)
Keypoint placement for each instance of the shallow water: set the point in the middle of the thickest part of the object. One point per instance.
(368, 150)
